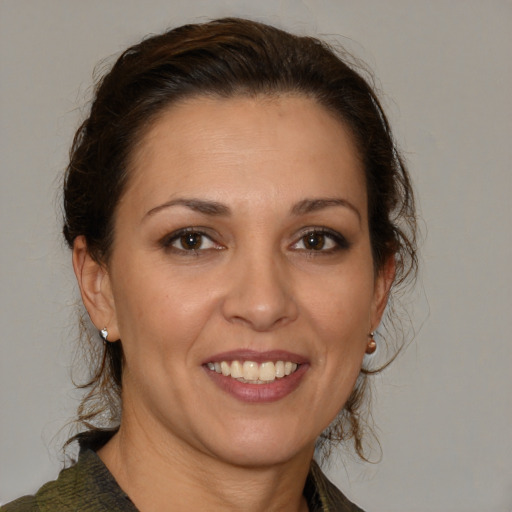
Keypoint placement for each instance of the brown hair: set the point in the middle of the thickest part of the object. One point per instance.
(225, 58)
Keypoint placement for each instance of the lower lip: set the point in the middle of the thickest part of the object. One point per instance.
(259, 393)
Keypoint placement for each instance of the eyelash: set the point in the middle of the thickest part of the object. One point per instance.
(168, 241)
(337, 239)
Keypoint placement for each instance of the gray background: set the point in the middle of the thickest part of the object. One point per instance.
(444, 410)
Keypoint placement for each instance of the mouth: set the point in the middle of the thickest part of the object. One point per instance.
(257, 377)
(253, 372)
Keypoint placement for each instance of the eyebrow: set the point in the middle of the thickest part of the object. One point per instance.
(198, 205)
(314, 205)
(213, 208)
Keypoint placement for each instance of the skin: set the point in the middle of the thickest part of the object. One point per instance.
(254, 283)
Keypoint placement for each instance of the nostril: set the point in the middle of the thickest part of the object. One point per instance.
(261, 308)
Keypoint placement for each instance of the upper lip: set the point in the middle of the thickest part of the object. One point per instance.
(256, 356)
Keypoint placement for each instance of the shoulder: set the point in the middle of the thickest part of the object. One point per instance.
(86, 486)
(24, 504)
(57, 494)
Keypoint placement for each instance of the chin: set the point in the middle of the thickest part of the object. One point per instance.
(254, 447)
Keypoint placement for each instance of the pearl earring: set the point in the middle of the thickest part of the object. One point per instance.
(372, 345)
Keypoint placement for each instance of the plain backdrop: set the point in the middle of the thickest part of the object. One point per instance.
(444, 409)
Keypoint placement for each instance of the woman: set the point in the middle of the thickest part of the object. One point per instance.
(238, 214)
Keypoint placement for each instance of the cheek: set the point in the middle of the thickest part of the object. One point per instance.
(159, 311)
(344, 339)
(340, 316)
(341, 304)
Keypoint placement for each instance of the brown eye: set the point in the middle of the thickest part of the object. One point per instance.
(191, 241)
(314, 241)
(321, 240)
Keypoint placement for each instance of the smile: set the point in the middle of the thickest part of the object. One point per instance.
(252, 372)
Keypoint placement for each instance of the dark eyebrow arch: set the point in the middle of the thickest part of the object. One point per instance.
(313, 205)
(198, 205)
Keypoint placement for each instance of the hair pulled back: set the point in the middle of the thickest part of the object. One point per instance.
(225, 58)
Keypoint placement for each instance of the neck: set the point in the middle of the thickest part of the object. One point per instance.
(170, 476)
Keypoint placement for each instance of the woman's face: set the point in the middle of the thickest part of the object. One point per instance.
(242, 247)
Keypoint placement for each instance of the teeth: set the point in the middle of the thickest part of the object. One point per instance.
(225, 369)
(279, 369)
(267, 371)
(250, 371)
(237, 370)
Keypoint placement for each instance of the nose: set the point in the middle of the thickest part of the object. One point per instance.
(260, 294)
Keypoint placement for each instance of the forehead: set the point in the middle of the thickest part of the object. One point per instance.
(272, 145)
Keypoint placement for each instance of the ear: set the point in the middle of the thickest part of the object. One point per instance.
(95, 288)
(383, 282)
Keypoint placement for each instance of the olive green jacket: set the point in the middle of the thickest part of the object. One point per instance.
(88, 486)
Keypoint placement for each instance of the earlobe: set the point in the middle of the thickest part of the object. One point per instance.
(383, 284)
(94, 282)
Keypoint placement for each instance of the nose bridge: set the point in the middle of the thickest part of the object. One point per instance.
(260, 293)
